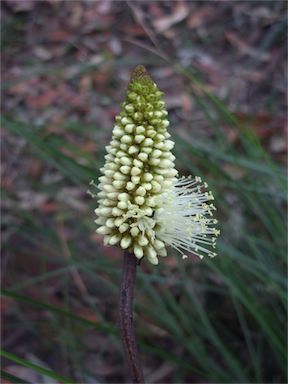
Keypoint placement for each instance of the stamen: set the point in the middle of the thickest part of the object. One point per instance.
(184, 218)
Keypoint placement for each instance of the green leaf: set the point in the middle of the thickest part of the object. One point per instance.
(35, 367)
(59, 311)
(12, 378)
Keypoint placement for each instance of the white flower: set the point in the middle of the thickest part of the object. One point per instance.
(142, 205)
(184, 218)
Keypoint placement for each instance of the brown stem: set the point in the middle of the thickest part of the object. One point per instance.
(126, 317)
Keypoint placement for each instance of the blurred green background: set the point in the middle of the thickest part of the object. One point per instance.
(65, 69)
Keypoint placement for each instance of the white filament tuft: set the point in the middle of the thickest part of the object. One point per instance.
(185, 218)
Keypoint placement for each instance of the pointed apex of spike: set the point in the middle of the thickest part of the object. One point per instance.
(140, 73)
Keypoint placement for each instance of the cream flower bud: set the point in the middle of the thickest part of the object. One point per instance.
(103, 230)
(143, 207)
(132, 150)
(139, 138)
(114, 239)
(134, 231)
(122, 205)
(139, 200)
(141, 191)
(138, 251)
(125, 169)
(140, 130)
(129, 128)
(143, 156)
(125, 242)
(125, 161)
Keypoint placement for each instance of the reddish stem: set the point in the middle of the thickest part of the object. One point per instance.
(126, 317)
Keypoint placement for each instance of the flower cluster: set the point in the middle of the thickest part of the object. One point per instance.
(143, 206)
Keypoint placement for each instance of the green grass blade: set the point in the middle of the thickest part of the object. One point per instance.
(35, 367)
(62, 312)
(12, 378)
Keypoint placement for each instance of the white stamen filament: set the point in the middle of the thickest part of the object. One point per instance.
(183, 218)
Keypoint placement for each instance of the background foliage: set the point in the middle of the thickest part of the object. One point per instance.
(66, 65)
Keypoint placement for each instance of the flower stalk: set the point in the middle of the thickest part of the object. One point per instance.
(144, 205)
(126, 317)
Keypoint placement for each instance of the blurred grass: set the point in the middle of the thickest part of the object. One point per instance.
(34, 367)
(227, 315)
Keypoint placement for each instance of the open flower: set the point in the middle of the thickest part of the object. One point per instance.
(143, 205)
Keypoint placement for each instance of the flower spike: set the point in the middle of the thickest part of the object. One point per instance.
(143, 206)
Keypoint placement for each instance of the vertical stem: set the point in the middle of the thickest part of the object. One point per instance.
(126, 317)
